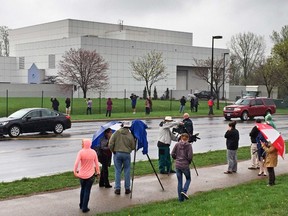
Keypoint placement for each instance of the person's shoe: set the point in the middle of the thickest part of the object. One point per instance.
(117, 191)
(269, 185)
(163, 172)
(127, 191)
(264, 174)
(172, 171)
(252, 168)
(234, 171)
(227, 172)
(85, 210)
(185, 195)
(108, 186)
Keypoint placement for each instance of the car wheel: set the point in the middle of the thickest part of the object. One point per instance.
(14, 131)
(58, 129)
(227, 118)
(244, 116)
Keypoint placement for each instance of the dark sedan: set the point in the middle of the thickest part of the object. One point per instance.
(204, 94)
(32, 120)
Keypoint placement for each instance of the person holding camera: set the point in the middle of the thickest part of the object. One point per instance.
(164, 142)
(186, 126)
(133, 98)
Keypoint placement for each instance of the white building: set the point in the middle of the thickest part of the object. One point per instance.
(44, 45)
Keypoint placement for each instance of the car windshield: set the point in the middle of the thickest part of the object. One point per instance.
(18, 114)
(242, 102)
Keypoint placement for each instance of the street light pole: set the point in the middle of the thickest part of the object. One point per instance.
(212, 61)
(223, 90)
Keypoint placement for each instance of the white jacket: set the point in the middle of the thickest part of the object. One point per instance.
(165, 134)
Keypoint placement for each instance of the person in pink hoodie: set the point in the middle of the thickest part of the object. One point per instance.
(85, 168)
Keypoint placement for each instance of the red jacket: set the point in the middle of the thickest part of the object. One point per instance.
(210, 102)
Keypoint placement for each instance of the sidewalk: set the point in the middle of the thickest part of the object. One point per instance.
(146, 189)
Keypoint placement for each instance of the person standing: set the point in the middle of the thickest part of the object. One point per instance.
(182, 104)
(105, 159)
(232, 143)
(210, 105)
(164, 142)
(253, 149)
(270, 161)
(85, 167)
(122, 143)
(187, 125)
(148, 104)
(89, 106)
(183, 154)
(192, 104)
(68, 106)
(133, 98)
(269, 120)
(261, 154)
(55, 104)
(196, 103)
(109, 104)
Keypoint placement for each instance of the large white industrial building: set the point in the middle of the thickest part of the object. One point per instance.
(36, 50)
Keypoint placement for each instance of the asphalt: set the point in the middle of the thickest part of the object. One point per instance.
(146, 189)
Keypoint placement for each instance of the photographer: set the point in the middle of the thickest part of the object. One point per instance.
(186, 126)
(164, 142)
(133, 98)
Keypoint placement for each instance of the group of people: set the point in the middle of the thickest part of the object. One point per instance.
(263, 154)
(86, 167)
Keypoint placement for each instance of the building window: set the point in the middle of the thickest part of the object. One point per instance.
(51, 60)
(21, 62)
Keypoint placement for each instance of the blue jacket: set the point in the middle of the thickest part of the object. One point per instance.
(138, 129)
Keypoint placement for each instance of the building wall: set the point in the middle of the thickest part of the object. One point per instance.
(7, 69)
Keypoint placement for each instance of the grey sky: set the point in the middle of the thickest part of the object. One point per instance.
(203, 18)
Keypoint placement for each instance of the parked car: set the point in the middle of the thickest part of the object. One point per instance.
(31, 120)
(205, 95)
(246, 108)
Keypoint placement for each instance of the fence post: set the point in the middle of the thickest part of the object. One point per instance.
(99, 102)
(171, 100)
(71, 105)
(42, 99)
(6, 102)
(125, 100)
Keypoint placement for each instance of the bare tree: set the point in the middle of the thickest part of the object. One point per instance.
(248, 50)
(149, 68)
(281, 36)
(4, 41)
(203, 68)
(84, 68)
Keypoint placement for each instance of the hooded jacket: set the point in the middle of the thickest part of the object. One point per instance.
(88, 161)
(271, 159)
(122, 141)
(183, 154)
(268, 120)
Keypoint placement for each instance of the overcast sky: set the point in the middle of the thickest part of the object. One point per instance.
(204, 18)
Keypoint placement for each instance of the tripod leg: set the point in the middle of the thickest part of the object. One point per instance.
(195, 168)
(155, 171)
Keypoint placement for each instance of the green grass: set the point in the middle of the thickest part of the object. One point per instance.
(121, 108)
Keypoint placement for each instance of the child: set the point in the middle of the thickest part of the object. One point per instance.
(183, 153)
(270, 161)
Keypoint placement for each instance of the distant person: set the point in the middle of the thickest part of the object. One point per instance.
(68, 105)
(182, 153)
(85, 167)
(55, 104)
(109, 104)
(210, 106)
(196, 103)
(89, 106)
(269, 120)
(148, 105)
(261, 154)
(232, 143)
(133, 98)
(182, 104)
(253, 149)
(122, 143)
(192, 104)
(270, 161)
(164, 142)
(105, 158)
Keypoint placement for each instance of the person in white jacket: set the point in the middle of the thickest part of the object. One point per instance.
(164, 142)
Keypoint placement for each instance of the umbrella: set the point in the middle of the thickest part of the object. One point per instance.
(114, 125)
(273, 136)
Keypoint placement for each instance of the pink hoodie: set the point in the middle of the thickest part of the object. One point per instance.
(88, 160)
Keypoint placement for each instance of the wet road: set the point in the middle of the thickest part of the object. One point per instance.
(35, 155)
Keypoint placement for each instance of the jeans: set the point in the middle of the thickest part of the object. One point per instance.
(86, 185)
(271, 175)
(254, 156)
(232, 160)
(184, 189)
(89, 110)
(211, 110)
(122, 159)
(182, 108)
